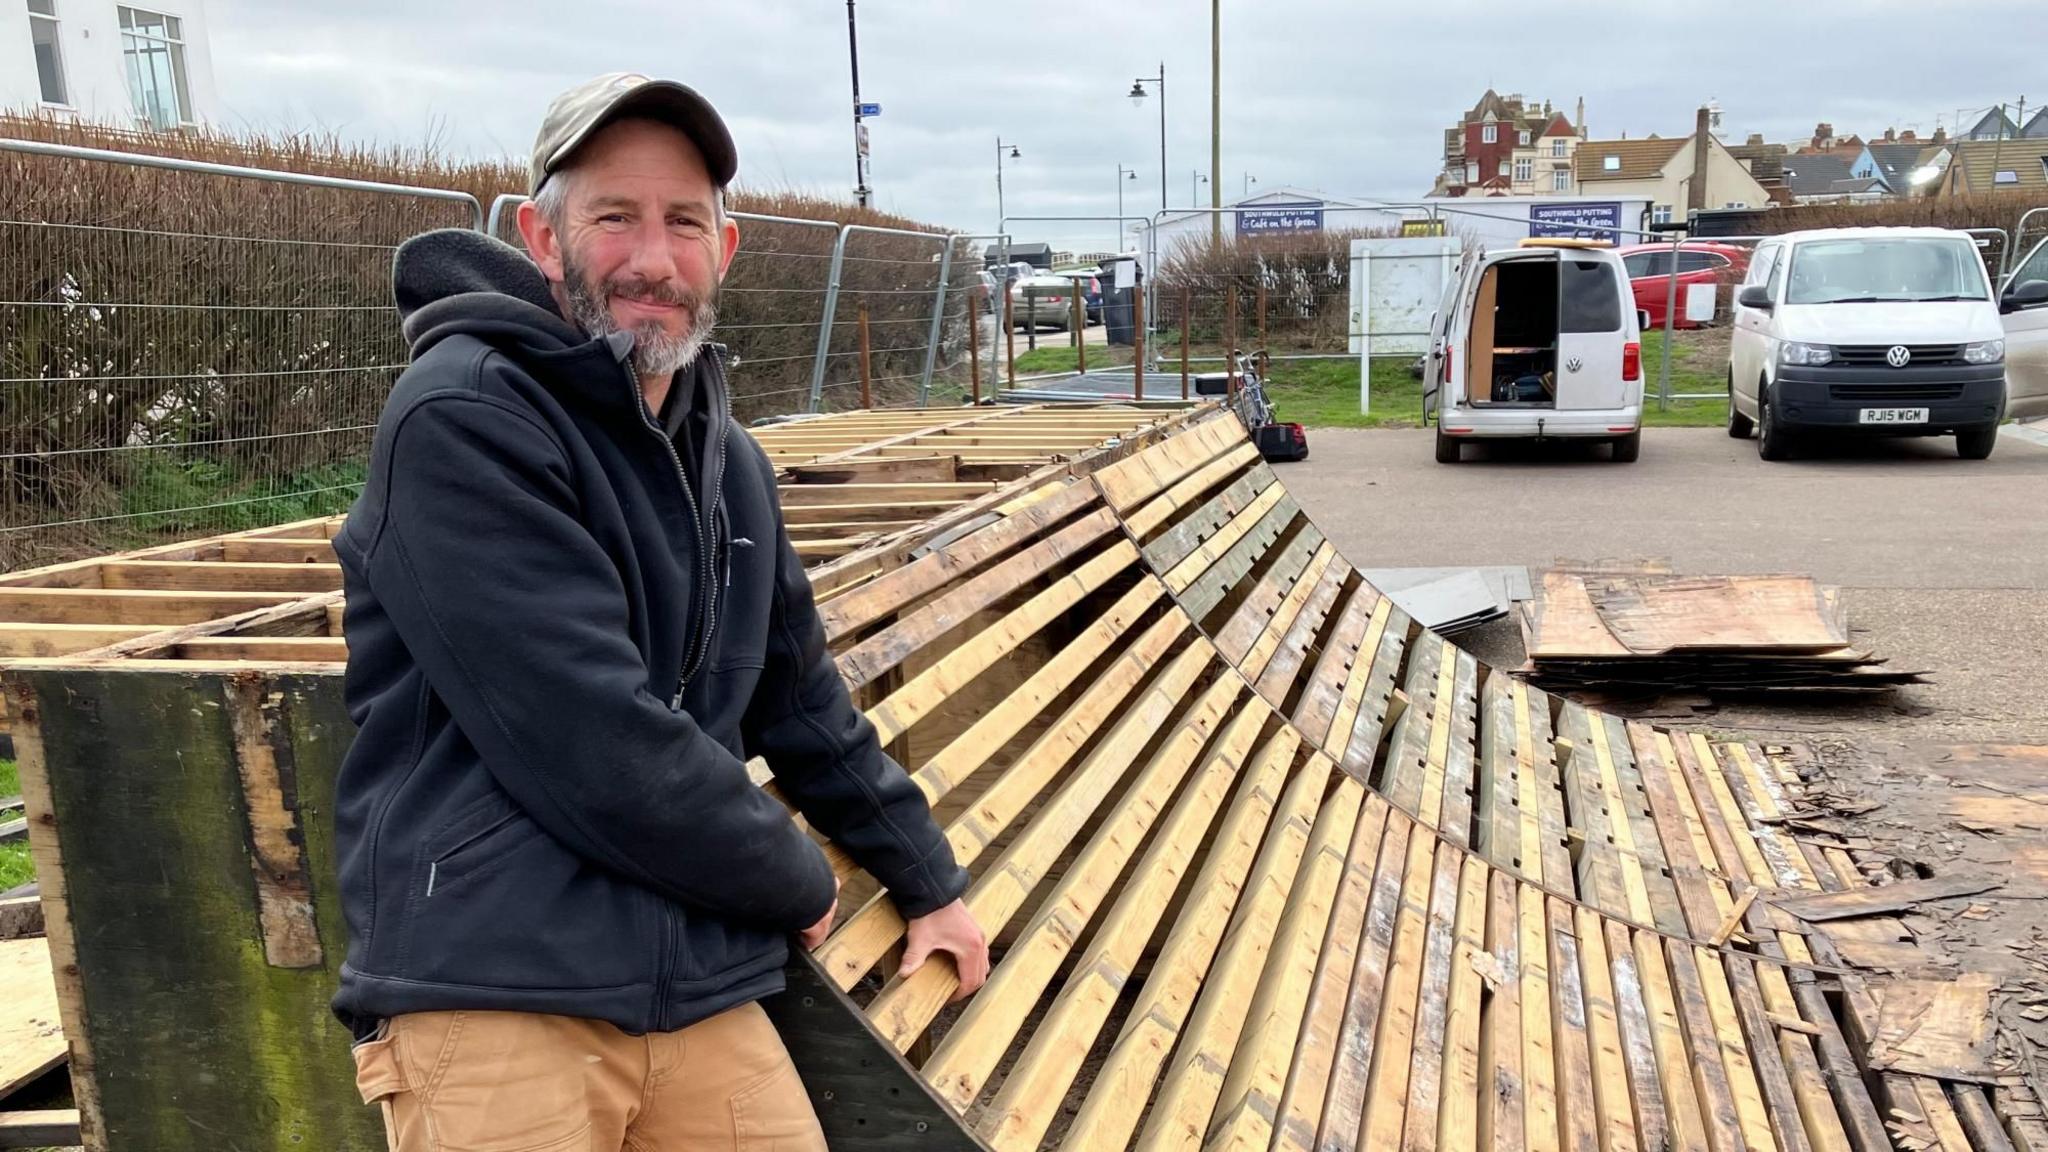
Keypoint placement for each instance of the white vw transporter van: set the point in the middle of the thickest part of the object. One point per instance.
(1887, 331)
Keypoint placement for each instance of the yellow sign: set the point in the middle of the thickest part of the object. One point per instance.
(1422, 227)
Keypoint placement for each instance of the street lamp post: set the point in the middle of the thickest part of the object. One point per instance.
(1001, 215)
(1138, 100)
(1249, 180)
(1122, 174)
(1195, 181)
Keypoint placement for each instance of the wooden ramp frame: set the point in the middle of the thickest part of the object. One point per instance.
(1266, 865)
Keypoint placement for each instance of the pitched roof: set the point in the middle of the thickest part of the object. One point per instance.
(1640, 159)
(1977, 163)
(1992, 125)
(1896, 162)
(1815, 173)
(2037, 128)
(1559, 126)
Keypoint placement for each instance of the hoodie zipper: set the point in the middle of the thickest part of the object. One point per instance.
(705, 570)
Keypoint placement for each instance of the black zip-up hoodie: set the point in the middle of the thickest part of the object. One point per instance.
(562, 654)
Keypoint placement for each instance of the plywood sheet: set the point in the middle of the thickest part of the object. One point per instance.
(31, 1039)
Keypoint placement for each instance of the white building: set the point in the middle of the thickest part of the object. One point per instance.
(143, 65)
(1284, 210)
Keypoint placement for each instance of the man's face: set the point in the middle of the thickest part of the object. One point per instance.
(638, 246)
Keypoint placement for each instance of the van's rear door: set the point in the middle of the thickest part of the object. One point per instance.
(1592, 326)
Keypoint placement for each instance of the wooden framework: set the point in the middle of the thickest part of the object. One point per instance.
(1266, 865)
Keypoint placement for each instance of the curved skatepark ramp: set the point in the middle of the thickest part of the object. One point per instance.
(1265, 865)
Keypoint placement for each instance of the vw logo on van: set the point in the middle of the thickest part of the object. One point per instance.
(1572, 365)
(1898, 356)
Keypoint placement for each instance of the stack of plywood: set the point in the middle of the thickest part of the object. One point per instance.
(1651, 630)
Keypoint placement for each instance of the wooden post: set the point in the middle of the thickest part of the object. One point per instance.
(1262, 311)
(974, 345)
(1080, 326)
(1010, 333)
(1187, 322)
(1230, 338)
(867, 395)
(1138, 343)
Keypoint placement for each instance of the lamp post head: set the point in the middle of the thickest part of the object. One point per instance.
(1014, 154)
(1137, 94)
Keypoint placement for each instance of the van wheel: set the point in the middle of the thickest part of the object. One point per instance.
(1976, 444)
(1449, 449)
(1628, 448)
(1739, 426)
(1772, 441)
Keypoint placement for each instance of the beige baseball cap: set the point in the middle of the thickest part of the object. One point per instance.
(584, 109)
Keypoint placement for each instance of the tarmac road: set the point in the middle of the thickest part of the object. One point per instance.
(1944, 561)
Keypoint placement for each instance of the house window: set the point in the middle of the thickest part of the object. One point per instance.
(1525, 170)
(153, 51)
(1471, 171)
(1560, 181)
(1503, 168)
(1490, 134)
(2005, 176)
(42, 35)
(1610, 163)
(1660, 214)
(1557, 147)
(1523, 138)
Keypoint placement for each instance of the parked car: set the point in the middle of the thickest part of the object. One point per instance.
(1649, 275)
(1043, 301)
(1537, 342)
(1091, 290)
(1885, 331)
(2023, 313)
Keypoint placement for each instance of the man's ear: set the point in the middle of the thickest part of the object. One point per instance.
(543, 243)
(730, 237)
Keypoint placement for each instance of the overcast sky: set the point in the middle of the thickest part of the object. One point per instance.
(1344, 97)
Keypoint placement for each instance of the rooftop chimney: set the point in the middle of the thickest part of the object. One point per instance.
(1891, 135)
(1702, 149)
(1940, 134)
(1580, 123)
(1755, 138)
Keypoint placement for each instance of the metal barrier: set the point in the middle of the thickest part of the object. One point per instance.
(139, 402)
(836, 285)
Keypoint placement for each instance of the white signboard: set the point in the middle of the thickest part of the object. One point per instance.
(1396, 282)
(1699, 302)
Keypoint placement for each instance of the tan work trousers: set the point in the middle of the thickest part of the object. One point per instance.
(524, 1082)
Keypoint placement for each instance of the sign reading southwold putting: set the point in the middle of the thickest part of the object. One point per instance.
(1281, 219)
(1594, 221)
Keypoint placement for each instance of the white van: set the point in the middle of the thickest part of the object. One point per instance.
(1886, 331)
(1536, 342)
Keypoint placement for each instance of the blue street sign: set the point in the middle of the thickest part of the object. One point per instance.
(1598, 221)
(1276, 218)
(871, 109)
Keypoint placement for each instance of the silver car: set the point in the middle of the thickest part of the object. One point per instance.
(1043, 301)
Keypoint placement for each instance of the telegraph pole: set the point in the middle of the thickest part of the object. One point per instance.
(861, 192)
(1215, 119)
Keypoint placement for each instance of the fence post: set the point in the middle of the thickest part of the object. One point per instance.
(1138, 341)
(1670, 325)
(1080, 326)
(1262, 310)
(867, 395)
(1187, 323)
(931, 347)
(825, 322)
(1230, 339)
(974, 345)
(1010, 333)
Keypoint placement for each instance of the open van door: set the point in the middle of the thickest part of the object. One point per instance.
(1436, 363)
(1592, 329)
(2026, 337)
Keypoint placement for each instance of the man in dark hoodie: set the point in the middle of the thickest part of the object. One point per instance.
(573, 616)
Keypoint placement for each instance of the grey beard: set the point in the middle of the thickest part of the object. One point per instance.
(656, 351)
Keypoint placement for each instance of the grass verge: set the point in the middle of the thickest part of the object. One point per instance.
(15, 868)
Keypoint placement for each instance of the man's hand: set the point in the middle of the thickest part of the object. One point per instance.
(815, 935)
(951, 930)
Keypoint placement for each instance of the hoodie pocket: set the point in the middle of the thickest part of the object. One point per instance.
(478, 851)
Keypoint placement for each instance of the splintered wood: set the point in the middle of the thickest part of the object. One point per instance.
(1606, 630)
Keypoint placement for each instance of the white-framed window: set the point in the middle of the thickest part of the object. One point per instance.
(1610, 163)
(1503, 168)
(1471, 171)
(1560, 181)
(1660, 214)
(42, 36)
(1557, 147)
(2005, 176)
(1734, 204)
(1522, 138)
(1525, 170)
(1489, 134)
(153, 53)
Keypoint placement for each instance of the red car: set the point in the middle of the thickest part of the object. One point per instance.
(1649, 275)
